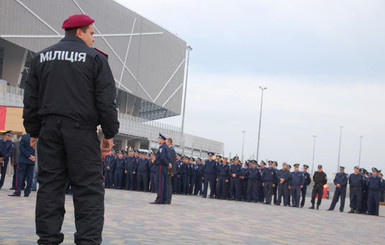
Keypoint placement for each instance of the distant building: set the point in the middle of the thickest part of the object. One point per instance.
(147, 62)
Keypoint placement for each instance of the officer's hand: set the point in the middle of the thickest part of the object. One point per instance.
(107, 144)
(32, 158)
(301, 186)
(227, 180)
(273, 185)
(33, 141)
(203, 178)
(125, 171)
(108, 167)
(263, 184)
(217, 179)
(170, 166)
(234, 175)
(134, 172)
(289, 187)
(12, 163)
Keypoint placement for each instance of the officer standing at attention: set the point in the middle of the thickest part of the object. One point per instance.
(254, 176)
(356, 182)
(341, 181)
(319, 179)
(374, 192)
(210, 174)
(199, 178)
(296, 184)
(235, 185)
(172, 171)
(108, 173)
(163, 164)
(6, 150)
(284, 177)
(307, 183)
(222, 178)
(25, 166)
(70, 90)
(269, 177)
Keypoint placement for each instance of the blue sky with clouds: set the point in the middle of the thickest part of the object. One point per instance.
(322, 61)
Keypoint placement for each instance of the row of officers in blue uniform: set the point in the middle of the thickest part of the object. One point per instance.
(253, 182)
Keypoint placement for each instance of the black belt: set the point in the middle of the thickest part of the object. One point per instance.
(62, 122)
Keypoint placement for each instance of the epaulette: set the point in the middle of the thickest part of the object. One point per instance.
(101, 52)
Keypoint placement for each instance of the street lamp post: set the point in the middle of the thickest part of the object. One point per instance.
(189, 48)
(339, 150)
(312, 163)
(243, 143)
(260, 119)
(359, 154)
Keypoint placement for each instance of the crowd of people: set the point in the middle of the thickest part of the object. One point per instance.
(229, 179)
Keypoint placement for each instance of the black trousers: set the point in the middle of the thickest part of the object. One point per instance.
(283, 192)
(24, 172)
(69, 152)
(268, 186)
(209, 178)
(221, 191)
(317, 189)
(235, 188)
(142, 181)
(252, 190)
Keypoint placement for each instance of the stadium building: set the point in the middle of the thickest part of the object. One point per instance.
(147, 61)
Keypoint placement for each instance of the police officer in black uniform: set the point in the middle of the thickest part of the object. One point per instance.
(356, 181)
(319, 179)
(69, 92)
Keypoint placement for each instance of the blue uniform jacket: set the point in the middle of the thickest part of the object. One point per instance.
(119, 163)
(163, 155)
(254, 174)
(6, 149)
(284, 174)
(142, 165)
(374, 183)
(210, 168)
(235, 169)
(223, 170)
(25, 150)
(356, 181)
(130, 164)
(307, 178)
(199, 171)
(297, 179)
(341, 179)
(108, 160)
(269, 175)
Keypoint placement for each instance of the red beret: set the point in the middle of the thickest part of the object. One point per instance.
(77, 20)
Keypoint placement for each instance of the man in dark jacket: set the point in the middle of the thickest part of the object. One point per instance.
(6, 150)
(172, 171)
(70, 90)
(25, 166)
(356, 182)
(319, 179)
(341, 181)
(307, 182)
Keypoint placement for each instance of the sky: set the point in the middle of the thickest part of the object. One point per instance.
(323, 63)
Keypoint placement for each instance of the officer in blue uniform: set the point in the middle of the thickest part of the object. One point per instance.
(152, 169)
(307, 183)
(192, 169)
(374, 192)
(163, 164)
(199, 177)
(235, 173)
(119, 171)
(269, 178)
(210, 175)
(223, 176)
(142, 174)
(341, 181)
(6, 150)
(356, 182)
(254, 177)
(283, 176)
(382, 196)
(261, 193)
(130, 165)
(184, 175)
(275, 188)
(244, 178)
(176, 177)
(108, 172)
(296, 184)
(365, 175)
(25, 166)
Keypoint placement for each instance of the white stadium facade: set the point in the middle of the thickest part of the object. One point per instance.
(147, 61)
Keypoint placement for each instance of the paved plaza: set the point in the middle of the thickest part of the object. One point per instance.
(130, 219)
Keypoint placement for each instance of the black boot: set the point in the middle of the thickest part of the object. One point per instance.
(317, 207)
(312, 207)
(351, 211)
